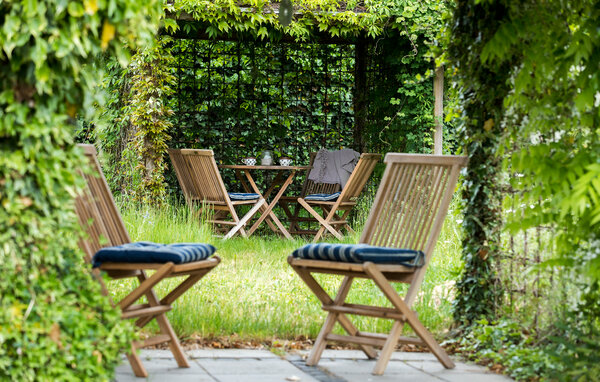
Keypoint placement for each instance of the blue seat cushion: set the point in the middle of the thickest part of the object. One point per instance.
(323, 197)
(148, 252)
(360, 253)
(243, 196)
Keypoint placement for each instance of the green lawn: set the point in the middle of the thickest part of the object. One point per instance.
(254, 293)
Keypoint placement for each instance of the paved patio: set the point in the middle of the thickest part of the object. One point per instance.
(229, 365)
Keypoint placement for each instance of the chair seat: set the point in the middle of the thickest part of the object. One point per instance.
(243, 196)
(360, 253)
(323, 197)
(148, 252)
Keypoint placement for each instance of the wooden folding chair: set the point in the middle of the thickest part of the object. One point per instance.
(329, 219)
(201, 183)
(309, 187)
(104, 227)
(407, 216)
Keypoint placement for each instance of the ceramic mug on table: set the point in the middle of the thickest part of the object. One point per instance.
(285, 161)
(249, 161)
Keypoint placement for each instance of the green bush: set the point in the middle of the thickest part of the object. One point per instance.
(505, 342)
(572, 353)
(54, 323)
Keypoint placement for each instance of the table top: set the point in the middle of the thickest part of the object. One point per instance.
(245, 167)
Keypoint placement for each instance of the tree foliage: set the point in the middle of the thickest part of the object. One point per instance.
(548, 93)
(54, 322)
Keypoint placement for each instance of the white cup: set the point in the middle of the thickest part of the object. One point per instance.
(249, 161)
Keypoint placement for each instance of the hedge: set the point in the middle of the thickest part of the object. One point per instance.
(54, 322)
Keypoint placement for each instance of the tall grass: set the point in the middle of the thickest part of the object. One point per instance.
(255, 294)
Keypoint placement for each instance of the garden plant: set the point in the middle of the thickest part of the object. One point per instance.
(54, 322)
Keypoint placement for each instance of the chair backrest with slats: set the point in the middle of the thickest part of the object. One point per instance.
(311, 187)
(199, 175)
(412, 201)
(97, 211)
(183, 175)
(359, 177)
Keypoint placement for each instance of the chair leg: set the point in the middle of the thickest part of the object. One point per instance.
(189, 282)
(325, 299)
(324, 222)
(296, 215)
(346, 225)
(321, 342)
(331, 215)
(388, 348)
(184, 286)
(245, 219)
(319, 233)
(136, 363)
(166, 328)
(146, 284)
(349, 229)
(289, 215)
(388, 290)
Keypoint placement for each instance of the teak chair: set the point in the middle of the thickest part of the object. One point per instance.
(309, 187)
(101, 221)
(407, 216)
(201, 183)
(344, 202)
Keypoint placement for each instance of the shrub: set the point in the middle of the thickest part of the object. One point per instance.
(54, 323)
(505, 342)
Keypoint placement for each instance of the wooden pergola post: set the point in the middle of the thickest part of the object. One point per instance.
(438, 109)
(360, 85)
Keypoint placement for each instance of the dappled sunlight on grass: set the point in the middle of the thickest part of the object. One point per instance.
(255, 294)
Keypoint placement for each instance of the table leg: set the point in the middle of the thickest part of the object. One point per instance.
(268, 211)
(262, 209)
(274, 184)
(238, 175)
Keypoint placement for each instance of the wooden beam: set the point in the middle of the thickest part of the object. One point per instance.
(360, 89)
(159, 339)
(438, 110)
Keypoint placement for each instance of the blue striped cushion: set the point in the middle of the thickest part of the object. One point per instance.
(243, 196)
(147, 252)
(323, 197)
(360, 253)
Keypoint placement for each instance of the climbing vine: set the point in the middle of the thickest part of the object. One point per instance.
(532, 68)
(259, 18)
(55, 324)
(151, 86)
(113, 132)
(483, 87)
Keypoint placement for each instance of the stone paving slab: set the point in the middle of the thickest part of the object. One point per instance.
(251, 368)
(358, 354)
(231, 353)
(250, 365)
